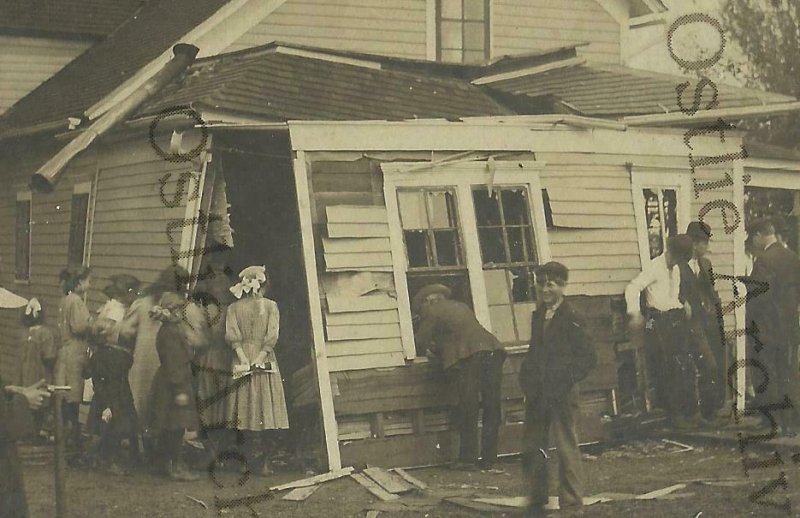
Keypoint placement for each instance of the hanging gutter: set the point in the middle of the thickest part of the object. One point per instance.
(45, 178)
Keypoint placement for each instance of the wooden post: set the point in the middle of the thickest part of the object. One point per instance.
(60, 476)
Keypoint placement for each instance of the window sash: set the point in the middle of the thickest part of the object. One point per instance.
(457, 34)
(79, 218)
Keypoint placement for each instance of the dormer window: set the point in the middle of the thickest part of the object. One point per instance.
(462, 31)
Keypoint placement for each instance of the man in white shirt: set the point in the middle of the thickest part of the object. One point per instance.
(666, 330)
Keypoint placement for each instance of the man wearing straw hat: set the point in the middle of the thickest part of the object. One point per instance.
(472, 359)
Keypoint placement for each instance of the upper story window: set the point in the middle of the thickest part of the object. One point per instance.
(462, 31)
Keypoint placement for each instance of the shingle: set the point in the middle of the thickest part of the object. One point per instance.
(66, 17)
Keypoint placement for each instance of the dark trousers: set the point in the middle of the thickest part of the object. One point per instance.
(780, 378)
(555, 419)
(707, 352)
(670, 364)
(474, 380)
(170, 443)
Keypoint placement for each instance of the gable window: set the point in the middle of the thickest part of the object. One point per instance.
(78, 220)
(22, 242)
(462, 31)
(430, 223)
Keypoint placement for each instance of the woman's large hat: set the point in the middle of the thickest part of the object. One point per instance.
(430, 289)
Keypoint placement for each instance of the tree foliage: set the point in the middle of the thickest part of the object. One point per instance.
(768, 33)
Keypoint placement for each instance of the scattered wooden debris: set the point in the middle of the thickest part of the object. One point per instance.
(684, 447)
(373, 487)
(411, 480)
(299, 494)
(197, 500)
(389, 481)
(658, 493)
(316, 479)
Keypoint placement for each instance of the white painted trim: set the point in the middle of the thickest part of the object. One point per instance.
(194, 201)
(463, 176)
(679, 117)
(216, 33)
(82, 188)
(25, 195)
(329, 425)
(739, 236)
(571, 62)
(643, 177)
(90, 213)
(647, 19)
(754, 164)
(493, 134)
(490, 28)
(774, 178)
(322, 56)
(430, 30)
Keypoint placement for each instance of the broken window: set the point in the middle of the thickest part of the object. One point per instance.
(508, 251)
(661, 217)
(462, 28)
(429, 218)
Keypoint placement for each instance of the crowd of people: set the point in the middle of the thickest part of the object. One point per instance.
(165, 364)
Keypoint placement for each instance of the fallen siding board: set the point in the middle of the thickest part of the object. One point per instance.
(358, 230)
(366, 361)
(356, 214)
(360, 347)
(354, 245)
(363, 332)
(593, 221)
(359, 260)
(388, 316)
(365, 303)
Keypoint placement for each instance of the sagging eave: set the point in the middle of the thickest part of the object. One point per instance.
(708, 116)
(45, 178)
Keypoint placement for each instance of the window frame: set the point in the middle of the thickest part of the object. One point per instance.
(436, 31)
(462, 177)
(81, 189)
(658, 178)
(23, 197)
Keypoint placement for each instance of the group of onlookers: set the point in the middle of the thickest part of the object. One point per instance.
(164, 363)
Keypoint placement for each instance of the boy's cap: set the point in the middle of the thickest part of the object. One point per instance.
(699, 231)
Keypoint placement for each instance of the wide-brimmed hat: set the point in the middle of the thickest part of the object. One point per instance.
(430, 289)
(698, 231)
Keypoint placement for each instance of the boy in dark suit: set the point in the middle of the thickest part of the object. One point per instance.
(560, 356)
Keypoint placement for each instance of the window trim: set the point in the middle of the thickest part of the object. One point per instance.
(462, 177)
(77, 190)
(434, 30)
(660, 178)
(27, 196)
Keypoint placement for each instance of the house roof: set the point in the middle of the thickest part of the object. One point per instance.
(106, 65)
(600, 90)
(70, 18)
(275, 85)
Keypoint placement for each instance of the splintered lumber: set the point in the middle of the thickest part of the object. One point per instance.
(373, 487)
(316, 479)
(411, 480)
(658, 493)
(300, 493)
(683, 447)
(388, 481)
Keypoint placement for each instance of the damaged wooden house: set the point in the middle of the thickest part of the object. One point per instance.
(454, 149)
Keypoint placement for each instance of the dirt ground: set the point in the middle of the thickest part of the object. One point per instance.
(634, 467)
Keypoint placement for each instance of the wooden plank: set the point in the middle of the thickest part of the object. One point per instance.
(358, 260)
(316, 479)
(386, 316)
(356, 214)
(315, 309)
(363, 332)
(355, 304)
(575, 194)
(358, 347)
(358, 230)
(373, 487)
(300, 494)
(410, 479)
(366, 361)
(351, 246)
(382, 269)
(594, 221)
(388, 481)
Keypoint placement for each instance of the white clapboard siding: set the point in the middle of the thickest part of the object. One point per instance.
(387, 316)
(362, 347)
(356, 214)
(594, 221)
(356, 304)
(365, 361)
(358, 229)
(363, 332)
(356, 245)
(364, 259)
(373, 26)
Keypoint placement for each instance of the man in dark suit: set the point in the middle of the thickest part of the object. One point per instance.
(774, 312)
(472, 359)
(16, 421)
(707, 346)
(560, 356)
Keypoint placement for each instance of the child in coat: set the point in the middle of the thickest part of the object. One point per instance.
(38, 356)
